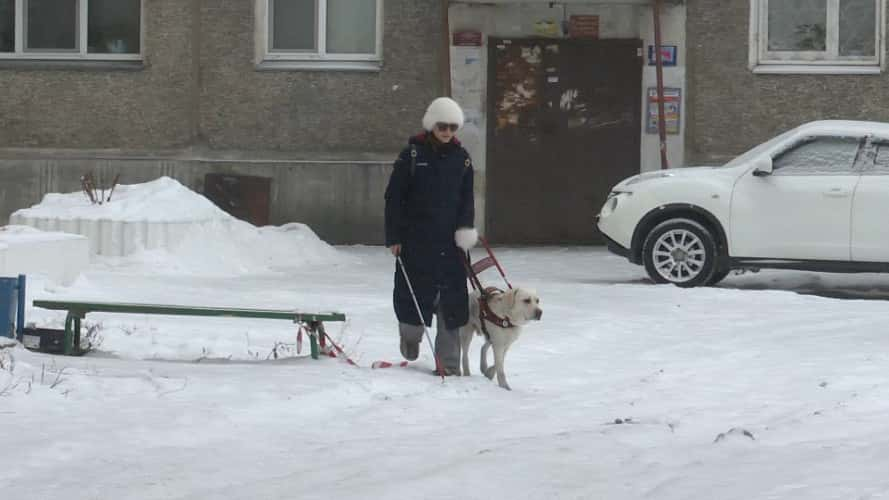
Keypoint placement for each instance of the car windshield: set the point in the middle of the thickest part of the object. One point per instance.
(758, 150)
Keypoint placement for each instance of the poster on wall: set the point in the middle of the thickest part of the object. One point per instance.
(467, 77)
(668, 55)
(467, 88)
(547, 28)
(672, 110)
(467, 39)
(583, 27)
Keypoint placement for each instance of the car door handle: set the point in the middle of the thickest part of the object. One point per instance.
(837, 193)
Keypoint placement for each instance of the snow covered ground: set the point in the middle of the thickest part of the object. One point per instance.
(774, 385)
(176, 408)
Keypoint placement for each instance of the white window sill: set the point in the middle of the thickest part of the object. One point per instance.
(292, 65)
(802, 69)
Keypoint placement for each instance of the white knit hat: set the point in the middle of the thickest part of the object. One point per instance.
(443, 110)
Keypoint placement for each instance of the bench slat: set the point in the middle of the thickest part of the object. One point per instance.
(82, 308)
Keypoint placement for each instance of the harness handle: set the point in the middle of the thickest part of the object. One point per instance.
(496, 262)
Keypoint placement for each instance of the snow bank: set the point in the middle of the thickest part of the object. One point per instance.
(60, 257)
(226, 248)
(162, 226)
(161, 200)
(157, 214)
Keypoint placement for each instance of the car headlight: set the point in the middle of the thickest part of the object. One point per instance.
(614, 199)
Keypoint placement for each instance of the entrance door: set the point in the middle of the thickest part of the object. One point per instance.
(564, 124)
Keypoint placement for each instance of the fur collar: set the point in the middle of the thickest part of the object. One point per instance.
(423, 138)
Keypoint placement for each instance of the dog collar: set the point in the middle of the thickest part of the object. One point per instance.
(485, 312)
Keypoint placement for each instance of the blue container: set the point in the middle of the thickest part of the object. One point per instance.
(12, 306)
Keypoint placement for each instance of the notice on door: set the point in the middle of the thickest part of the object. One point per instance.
(672, 110)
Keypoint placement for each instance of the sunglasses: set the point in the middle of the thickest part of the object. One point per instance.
(443, 127)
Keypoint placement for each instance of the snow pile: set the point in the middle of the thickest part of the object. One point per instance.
(233, 247)
(162, 227)
(161, 200)
(60, 257)
(157, 214)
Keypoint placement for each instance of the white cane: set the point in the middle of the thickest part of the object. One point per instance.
(438, 367)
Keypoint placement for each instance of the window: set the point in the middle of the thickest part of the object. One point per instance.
(816, 36)
(876, 158)
(7, 26)
(71, 29)
(819, 156)
(320, 34)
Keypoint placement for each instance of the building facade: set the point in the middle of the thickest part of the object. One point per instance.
(297, 108)
(759, 67)
(144, 88)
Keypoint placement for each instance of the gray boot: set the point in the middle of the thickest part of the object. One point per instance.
(411, 335)
(447, 345)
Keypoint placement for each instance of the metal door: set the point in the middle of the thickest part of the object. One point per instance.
(564, 127)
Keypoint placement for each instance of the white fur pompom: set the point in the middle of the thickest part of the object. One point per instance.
(466, 237)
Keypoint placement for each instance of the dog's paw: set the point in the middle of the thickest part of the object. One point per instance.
(490, 372)
(506, 386)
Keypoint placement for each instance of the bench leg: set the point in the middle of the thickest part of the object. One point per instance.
(322, 335)
(69, 334)
(313, 342)
(72, 334)
(316, 338)
(77, 350)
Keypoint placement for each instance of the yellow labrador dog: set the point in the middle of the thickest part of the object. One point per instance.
(504, 315)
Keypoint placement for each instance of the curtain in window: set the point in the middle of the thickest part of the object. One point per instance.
(798, 25)
(113, 26)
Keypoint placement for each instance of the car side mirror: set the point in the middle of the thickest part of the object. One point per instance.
(763, 167)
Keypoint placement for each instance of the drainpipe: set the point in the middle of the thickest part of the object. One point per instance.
(446, 49)
(659, 65)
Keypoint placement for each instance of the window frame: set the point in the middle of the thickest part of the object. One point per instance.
(268, 57)
(80, 53)
(762, 60)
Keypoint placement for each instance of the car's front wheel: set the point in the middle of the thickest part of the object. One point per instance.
(680, 251)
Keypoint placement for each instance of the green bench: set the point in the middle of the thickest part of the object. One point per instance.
(77, 311)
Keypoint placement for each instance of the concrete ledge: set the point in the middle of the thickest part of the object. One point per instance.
(118, 238)
(342, 201)
(201, 155)
(288, 65)
(76, 65)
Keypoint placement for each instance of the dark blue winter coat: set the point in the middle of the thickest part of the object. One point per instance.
(423, 211)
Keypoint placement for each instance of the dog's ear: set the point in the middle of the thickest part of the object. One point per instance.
(497, 303)
(511, 301)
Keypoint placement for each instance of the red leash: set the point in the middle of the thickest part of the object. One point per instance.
(338, 349)
(325, 338)
(386, 364)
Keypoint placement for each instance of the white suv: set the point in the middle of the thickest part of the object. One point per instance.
(814, 198)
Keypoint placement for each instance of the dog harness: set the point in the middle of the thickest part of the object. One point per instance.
(486, 314)
(484, 311)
